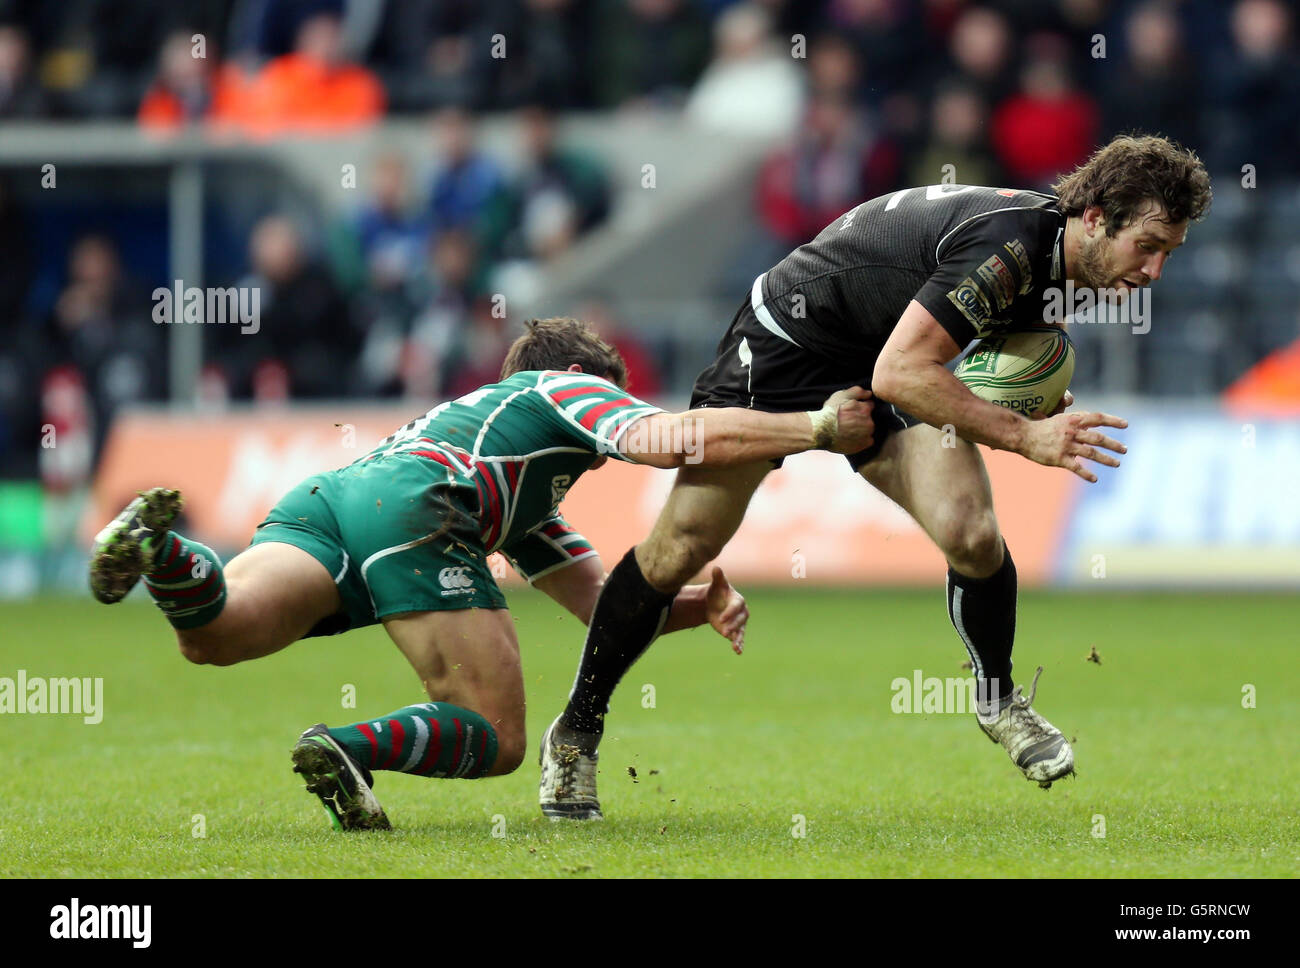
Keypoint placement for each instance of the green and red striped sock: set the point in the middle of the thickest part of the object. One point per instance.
(186, 582)
(431, 739)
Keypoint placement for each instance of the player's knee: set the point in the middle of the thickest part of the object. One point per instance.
(971, 540)
(197, 652)
(510, 756)
(203, 649)
(512, 747)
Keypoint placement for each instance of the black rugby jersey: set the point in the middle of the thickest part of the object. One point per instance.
(979, 259)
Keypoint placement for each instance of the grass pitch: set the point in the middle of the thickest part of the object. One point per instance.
(188, 775)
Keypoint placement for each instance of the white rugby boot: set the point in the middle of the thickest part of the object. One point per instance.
(1034, 744)
(568, 788)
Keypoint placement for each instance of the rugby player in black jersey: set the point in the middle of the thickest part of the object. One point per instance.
(885, 297)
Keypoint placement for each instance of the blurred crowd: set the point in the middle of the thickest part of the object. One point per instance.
(859, 97)
(390, 298)
(1015, 87)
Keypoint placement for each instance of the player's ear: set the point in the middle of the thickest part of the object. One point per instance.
(1093, 221)
(574, 368)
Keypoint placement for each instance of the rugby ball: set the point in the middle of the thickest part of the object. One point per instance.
(1027, 371)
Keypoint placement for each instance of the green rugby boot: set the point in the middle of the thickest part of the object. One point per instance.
(125, 549)
(342, 784)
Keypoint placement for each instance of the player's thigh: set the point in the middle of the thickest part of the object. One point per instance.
(275, 594)
(704, 509)
(469, 658)
(941, 481)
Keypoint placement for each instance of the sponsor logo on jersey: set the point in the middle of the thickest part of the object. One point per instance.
(455, 581)
(970, 300)
(560, 485)
(1018, 253)
(998, 279)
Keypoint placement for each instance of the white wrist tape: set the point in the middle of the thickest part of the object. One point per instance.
(825, 426)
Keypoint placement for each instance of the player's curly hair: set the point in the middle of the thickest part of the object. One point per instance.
(559, 342)
(1131, 171)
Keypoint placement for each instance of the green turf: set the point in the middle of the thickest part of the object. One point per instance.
(1189, 782)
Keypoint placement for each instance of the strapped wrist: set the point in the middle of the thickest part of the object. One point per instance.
(825, 426)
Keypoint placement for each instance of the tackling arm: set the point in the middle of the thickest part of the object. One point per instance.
(716, 437)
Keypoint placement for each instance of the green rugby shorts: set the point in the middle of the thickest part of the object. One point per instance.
(397, 533)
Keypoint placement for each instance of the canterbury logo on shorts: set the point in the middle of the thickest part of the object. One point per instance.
(456, 581)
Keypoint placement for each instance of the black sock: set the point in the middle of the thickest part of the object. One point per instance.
(983, 611)
(628, 616)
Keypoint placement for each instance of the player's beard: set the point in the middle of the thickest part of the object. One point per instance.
(1095, 269)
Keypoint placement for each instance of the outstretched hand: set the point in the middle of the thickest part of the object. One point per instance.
(1068, 439)
(726, 610)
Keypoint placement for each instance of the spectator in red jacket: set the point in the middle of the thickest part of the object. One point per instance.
(838, 159)
(188, 89)
(1050, 126)
(314, 90)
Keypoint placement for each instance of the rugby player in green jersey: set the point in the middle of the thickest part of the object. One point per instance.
(402, 536)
